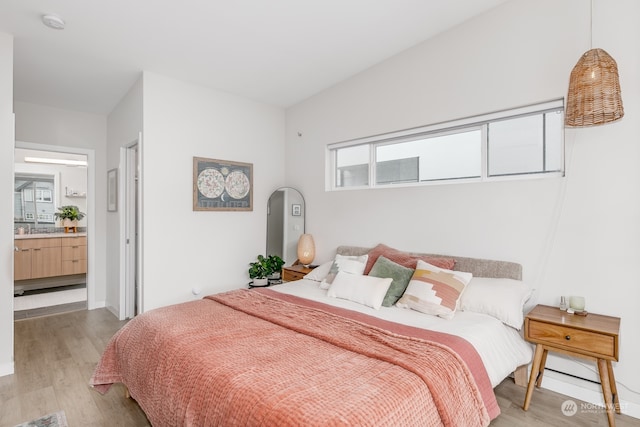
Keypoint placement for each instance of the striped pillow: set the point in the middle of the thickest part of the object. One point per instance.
(434, 290)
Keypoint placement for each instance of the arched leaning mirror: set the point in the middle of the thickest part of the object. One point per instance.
(285, 223)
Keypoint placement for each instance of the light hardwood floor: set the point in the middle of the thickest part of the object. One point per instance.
(55, 357)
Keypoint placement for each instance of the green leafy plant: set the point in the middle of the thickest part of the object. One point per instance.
(275, 264)
(265, 266)
(70, 212)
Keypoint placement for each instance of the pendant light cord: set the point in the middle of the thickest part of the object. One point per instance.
(591, 26)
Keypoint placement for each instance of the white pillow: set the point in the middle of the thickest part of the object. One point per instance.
(503, 299)
(366, 290)
(320, 272)
(434, 290)
(348, 263)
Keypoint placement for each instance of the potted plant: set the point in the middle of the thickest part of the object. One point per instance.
(263, 268)
(70, 215)
(275, 264)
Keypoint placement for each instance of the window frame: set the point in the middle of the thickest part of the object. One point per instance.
(480, 122)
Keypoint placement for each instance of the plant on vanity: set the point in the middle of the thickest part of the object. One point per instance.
(70, 215)
(70, 212)
(265, 267)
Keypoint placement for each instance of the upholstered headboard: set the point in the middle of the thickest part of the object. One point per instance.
(477, 266)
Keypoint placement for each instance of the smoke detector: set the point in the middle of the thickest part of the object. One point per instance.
(53, 21)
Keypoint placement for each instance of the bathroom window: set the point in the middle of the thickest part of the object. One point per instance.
(34, 199)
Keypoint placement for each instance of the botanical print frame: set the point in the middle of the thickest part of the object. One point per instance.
(222, 185)
(112, 190)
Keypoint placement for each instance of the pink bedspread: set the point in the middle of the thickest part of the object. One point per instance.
(263, 358)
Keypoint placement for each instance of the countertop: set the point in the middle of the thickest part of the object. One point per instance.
(47, 235)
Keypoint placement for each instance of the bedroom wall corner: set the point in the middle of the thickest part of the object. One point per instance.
(186, 249)
(573, 235)
(7, 141)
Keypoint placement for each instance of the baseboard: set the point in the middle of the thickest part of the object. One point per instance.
(113, 311)
(592, 396)
(97, 304)
(7, 369)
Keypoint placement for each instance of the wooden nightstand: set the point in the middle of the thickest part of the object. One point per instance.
(295, 272)
(593, 337)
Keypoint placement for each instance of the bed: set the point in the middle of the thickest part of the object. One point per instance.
(293, 354)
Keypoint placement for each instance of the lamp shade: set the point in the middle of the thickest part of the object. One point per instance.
(306, 249)
(594, 91)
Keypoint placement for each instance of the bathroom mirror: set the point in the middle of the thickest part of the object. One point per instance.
(285, 223)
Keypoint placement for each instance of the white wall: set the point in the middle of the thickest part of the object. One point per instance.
(123, 126)
(182, 248)
(74, 179)
(40, 124)
(577, 235)
(6, 212)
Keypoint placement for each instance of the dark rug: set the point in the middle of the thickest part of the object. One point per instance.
(52, 420)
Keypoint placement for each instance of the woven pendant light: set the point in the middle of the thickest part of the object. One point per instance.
(594, 90)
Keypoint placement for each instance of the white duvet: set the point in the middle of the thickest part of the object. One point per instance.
(501, 347)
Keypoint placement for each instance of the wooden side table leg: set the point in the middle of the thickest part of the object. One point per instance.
(614, 387)
(535, 369)
(606, 390)
(543, 362)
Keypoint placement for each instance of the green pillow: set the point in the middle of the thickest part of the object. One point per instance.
(401, 275)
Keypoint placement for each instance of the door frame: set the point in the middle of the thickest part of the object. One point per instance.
(131, 272)
(91, 209)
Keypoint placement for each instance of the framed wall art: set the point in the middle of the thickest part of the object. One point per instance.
(296, 209)
(222, 185)
(112, 190)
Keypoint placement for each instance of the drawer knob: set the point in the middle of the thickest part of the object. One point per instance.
(568, 337)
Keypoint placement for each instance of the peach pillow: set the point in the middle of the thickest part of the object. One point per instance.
(434, 290)
(405, 259)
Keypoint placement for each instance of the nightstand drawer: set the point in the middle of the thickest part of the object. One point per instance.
(295, 272)
(563, 337)
(290, 275)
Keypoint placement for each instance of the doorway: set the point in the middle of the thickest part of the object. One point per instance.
(54, 277)
(130, 236)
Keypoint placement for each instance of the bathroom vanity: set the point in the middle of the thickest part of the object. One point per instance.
(49, 260)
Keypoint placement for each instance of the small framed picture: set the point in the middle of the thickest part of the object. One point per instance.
(112, 190)
(296, 210)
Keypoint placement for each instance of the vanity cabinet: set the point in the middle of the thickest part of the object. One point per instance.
(21, 262)
(36, 258)
(49, 257)
(46, 262)
(74, 255)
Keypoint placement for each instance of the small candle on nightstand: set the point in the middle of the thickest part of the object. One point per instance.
(576, 303)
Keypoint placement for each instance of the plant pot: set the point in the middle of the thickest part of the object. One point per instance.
(274, 276)
(70, 225)
(260, 282)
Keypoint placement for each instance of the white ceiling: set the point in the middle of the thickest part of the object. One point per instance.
(274, 51)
